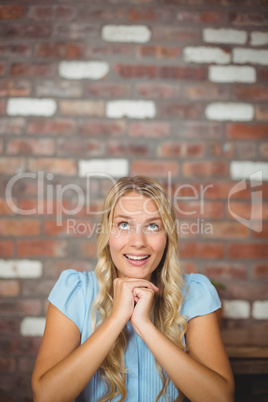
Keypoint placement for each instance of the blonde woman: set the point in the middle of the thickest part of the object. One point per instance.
(136, 329)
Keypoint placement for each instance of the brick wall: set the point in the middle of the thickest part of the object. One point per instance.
(173, 89)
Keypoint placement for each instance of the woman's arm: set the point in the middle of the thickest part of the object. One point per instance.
(63, 367)
(204, 373)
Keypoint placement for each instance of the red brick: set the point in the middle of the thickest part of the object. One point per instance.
(263, 74)
(99, 13)
(244, 19)
(12, 125)
(264, 150)
(263, 234)
(49, 127)
(7, 364)
(247, 251)
(244, 210)
(108, 50)
(69, 227)
(154, 169)
(188, 267)
(65, 12)
(12, 12)
(199, 250)
(158, 52)
(41, 248)
(247, 132)
(11, 165)
(228, 230)
(247, 290)
(33, 70)
(77, 31)
(180, 110)
(40, 12)
(59, 50)
(14, 88)
(203, 17)
(225, 270)
(26, 364)
(198, 130)
(158, 90)
(8, 326)
(2, 68)
(180, 149)
(261, 112)
(4, 208)
(59, 89)
(149, 130)
(169, 33)
(260, 271)
(88, 249)
(197, 209)
(99, 128)
(182, 73)
(53, 269)
(143, 14)
(37, 288)
(19, 227)
(6, 248)
(206, 168)
(15, 49)
(82, 108)
(81, 148)
(107, 90)
(53, 165)
(135, 71)
(3, 105)
(205, 91)
(256, 92)
(50, 207)
(21, 307)
(31, 147)
(117, 148)
(26, 30)
(9, 288)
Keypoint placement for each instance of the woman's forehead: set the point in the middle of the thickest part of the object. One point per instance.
(137, 203)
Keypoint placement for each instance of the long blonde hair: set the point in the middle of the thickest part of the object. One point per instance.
(167, 277)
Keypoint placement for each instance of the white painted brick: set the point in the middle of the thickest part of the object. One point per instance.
(260, 310)
(245, 169)
(232, 74)
(31, 107)
(78, 70)
(238, 309)
(204, 54)
(130, 108)
(20, 269)
(224, 35)
(252, 56)
(126, 33)
(229, 111)
(111, 167)
(32, 326)
(258, 38)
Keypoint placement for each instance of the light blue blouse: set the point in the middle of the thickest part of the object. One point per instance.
(74, 293)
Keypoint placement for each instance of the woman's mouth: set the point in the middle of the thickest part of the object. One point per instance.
(137, 259)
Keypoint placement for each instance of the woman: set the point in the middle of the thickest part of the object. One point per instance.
(136, 329)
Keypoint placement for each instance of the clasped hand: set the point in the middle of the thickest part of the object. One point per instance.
(133, 300)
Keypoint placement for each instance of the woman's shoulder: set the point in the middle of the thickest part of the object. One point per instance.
(200, 296)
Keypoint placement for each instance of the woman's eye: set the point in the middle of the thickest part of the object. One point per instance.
(123, 225)
(153, 227)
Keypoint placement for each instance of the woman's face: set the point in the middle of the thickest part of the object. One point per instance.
(138, 238)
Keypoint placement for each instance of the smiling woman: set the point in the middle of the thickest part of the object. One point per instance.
(136, 329)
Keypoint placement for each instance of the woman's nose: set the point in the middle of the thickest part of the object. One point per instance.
(137, 237)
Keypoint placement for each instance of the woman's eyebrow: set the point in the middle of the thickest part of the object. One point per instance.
(153, 218)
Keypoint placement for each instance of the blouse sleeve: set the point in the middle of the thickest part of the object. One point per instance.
(68, 296)
(201, 297)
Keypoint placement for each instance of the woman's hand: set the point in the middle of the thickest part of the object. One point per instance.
(132, 296)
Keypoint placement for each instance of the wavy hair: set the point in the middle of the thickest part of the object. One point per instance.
(167, 277)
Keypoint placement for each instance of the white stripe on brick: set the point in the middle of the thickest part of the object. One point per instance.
(258, 38)
(229, 111)
(260, 310)
(31, 107)
(78, 70)
(224, 35)
(252, 56)
(111, 167)
(32, 326)
(130, 108)
(245, 169)
(232, 74)
(20, 269)
(237, 309)
(204, 54)
(126, 33)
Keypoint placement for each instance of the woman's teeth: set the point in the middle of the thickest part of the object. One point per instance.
(136, 258)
